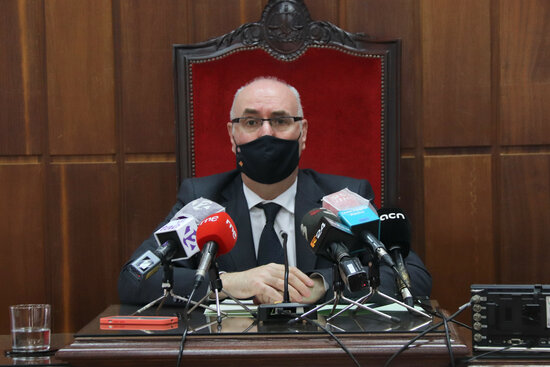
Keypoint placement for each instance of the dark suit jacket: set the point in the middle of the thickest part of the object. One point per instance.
(226, 189)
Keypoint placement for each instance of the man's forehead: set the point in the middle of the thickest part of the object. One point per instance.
(266, 93)
(253, 111)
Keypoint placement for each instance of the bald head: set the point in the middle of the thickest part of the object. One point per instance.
(270, 90)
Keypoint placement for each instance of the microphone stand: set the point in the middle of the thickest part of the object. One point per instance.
(338, 286)
(286, 309)
(217, 286)
(374, 283)
(167, 286)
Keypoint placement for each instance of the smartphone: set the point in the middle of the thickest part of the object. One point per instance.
(138, 327)
(138, 320)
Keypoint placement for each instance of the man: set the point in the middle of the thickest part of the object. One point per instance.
(268, 134)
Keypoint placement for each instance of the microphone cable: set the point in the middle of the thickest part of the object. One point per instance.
(433, 327)
(186, 326)
(448, 342)
(483, 355)
(183, 338)
(435, 313)
(315, 323)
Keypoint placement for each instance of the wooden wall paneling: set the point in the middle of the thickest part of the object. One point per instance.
(22, 266)
(396, 19)
(524, 71)
(80, 76)
(411, 204)
(325, 10)
(213, 18)
(150, 191)
(525, 218)
(458, 225)
(456, 53)
(22, 91)
(12, 103)
(148, 29)
(84, 246)
(399, 19)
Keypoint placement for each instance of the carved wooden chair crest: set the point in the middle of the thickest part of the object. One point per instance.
(348, 86)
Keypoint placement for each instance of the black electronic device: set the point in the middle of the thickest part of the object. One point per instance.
(515, 318)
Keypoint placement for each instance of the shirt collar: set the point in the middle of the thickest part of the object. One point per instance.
(286, 199)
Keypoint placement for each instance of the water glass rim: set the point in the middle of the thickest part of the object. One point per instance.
(30, 305)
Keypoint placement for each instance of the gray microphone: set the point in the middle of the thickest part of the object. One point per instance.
(177, 238)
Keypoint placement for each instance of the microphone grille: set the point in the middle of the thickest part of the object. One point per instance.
(310, 221)
(218, 228)
(395, 229)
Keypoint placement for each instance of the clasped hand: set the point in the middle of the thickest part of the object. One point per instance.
(265, 284)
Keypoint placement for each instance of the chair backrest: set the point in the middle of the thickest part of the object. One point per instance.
(348, 85)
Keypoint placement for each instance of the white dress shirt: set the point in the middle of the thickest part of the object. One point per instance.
(284, 221)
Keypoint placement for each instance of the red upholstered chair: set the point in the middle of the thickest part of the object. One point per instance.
(348, 85)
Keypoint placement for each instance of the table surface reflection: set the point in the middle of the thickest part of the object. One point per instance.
(200, 323)
(235, 341)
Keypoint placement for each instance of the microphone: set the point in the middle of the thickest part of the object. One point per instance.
(326, 237)
(286, 309)
(182, 228)
(395, 231)
(180, 233)
(199, 209)
(147, 264)
(361, 217)
(216, 235)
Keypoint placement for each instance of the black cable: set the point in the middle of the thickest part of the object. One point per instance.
(431, 311)
(186, 328)
(433, 327)
(448, 342)
(406, 346)
(471, 359)
(183, 337)
(315, 323)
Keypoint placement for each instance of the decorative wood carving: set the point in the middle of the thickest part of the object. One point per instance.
(286, 30)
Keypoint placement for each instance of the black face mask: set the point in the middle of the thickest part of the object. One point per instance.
(268, 159)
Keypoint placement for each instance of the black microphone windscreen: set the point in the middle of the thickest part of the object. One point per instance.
(321, 228)
(395, 230)
(311, 221)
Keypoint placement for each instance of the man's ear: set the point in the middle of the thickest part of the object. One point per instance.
(231, 139)
(303, 138)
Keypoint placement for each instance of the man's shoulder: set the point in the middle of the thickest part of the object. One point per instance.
(208, 186)
(325, 177)
(221, 177)
(331, 183)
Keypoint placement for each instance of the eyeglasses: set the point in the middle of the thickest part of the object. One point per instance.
(279, 124)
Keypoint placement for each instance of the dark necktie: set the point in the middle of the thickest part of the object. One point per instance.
(270, 249)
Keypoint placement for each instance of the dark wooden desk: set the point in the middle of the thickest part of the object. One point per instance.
(94, 348)
(237, 344)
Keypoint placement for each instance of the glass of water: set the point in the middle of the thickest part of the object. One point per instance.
(30, 327)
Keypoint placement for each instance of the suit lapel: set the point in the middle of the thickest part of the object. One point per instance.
(308, 196)
(243, 255)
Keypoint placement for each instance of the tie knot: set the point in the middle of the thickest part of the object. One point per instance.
(270, 210)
